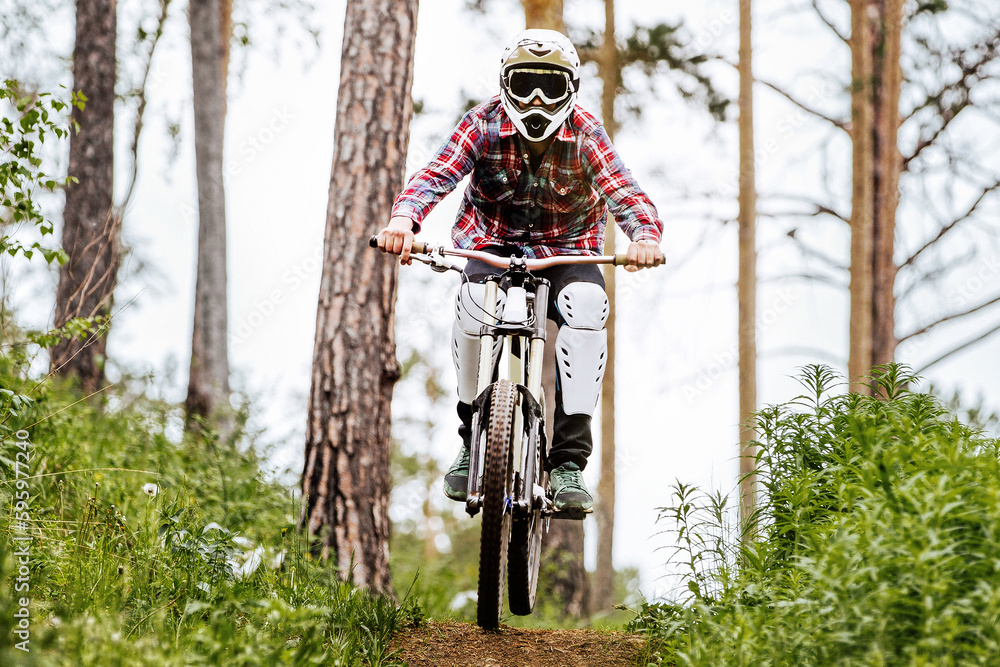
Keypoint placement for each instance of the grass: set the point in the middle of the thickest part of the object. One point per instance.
(876, 541)
(149, 546)
(151, 549)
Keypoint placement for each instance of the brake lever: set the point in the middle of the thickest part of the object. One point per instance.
(435, 260)
(428, 254)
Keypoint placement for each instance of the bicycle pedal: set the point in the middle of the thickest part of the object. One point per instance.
(571, 514)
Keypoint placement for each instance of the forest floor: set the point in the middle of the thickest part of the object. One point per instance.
(448, 644)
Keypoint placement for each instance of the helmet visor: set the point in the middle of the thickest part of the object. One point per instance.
(552, 86)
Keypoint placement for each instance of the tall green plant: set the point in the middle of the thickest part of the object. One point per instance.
(878, 534)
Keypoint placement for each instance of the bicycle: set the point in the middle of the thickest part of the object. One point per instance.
(508, 481)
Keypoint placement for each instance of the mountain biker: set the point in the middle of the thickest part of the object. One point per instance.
(544, 175)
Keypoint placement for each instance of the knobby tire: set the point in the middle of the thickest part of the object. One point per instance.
(496, 519)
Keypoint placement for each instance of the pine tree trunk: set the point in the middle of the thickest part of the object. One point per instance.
(91, 226)
(877, 75)
(747, 283)
(888, 163)
(208, 383)
(345, 481)
(862, 199)
(602, 592)
(547, 14)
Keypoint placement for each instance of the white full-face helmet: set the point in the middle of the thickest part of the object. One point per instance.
(540, 64)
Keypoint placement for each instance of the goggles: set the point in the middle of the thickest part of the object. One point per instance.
(552, 86)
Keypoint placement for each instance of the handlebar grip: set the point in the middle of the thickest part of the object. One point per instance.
(621, 259)
(418, 246)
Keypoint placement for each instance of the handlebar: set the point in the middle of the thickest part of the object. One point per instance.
(421, 247)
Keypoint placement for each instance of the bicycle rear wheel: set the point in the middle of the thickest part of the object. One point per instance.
(496, 489)
(526, 540)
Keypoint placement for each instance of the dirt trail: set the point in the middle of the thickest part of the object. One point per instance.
(464, 645)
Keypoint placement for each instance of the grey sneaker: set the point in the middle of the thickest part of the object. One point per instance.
(456, 480)
(568, 491)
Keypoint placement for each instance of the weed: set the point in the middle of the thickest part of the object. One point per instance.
(149, 551)
(877, 534)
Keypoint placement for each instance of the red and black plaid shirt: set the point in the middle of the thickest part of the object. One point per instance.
(559, 209)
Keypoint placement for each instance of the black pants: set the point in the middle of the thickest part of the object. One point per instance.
(572, 440)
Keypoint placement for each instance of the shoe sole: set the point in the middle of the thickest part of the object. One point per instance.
(572, 513)
(457, 496)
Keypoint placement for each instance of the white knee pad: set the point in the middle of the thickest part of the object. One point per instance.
(583, 305)
(582, 346)
(469, 315)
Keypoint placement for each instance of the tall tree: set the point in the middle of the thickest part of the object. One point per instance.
(876, 28)
(862, 197)
(547, 14)
(564, 543)
(886, 40)
(604, 570)
(91, 226)
(950, 184)
(345, 481)
(208, 382)
(747, 282)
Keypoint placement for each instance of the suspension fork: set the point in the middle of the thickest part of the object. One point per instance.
(487, 339)
(531, 376)
(532, 496)
(525, 353)
(537, 345)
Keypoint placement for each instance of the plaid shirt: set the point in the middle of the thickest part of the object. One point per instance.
(559, 209)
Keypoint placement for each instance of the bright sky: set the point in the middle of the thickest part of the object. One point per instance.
(677, 331)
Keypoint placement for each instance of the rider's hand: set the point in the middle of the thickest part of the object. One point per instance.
(643, 254)
(397, 238)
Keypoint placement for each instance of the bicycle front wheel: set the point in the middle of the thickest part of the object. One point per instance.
(496, 490)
